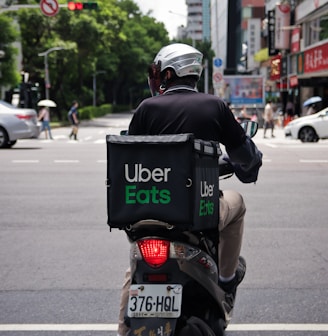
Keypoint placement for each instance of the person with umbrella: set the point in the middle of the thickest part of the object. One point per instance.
(312, 109)
(311, 104)
(44, 117)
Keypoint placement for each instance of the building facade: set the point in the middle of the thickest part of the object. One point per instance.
(298, 52)
(198, 20)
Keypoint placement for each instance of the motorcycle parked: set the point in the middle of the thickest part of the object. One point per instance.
(174, 287)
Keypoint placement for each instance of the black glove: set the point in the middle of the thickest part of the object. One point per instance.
(244, 176)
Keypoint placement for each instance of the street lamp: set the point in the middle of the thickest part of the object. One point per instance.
(46, 70)
(95, 85)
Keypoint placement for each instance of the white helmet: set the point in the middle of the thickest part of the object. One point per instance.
(182, 58)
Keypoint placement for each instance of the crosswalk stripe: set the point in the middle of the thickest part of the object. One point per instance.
(113, 327)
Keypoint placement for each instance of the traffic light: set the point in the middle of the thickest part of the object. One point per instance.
(90, 5)
(77, 6)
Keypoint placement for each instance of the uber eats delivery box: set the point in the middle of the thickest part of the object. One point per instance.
(171, 178)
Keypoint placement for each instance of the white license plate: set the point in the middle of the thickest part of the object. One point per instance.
(155, 301)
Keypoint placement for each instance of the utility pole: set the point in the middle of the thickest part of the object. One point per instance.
(46, 70)
(95, 85)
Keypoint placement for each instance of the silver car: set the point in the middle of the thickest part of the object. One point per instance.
(17, 123)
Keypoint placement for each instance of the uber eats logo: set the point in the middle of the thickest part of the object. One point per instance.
(206, 207)
(137, 176)
(152, 195)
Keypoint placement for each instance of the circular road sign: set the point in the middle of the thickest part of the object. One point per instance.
(218, 62)
(49, 7)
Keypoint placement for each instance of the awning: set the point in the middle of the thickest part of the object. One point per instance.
(262, 55)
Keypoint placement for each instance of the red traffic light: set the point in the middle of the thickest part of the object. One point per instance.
(73, 6)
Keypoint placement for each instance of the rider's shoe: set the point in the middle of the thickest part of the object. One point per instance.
(230, 287)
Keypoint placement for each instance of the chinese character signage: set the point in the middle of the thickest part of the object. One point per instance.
(316, 59)
(253, 41)
(271, 33)
(281, 22)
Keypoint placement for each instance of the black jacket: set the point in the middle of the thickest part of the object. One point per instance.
(184, 110)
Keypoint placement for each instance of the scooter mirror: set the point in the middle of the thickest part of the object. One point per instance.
(250, 127)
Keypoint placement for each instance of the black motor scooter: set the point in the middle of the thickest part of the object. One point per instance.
(174, 267)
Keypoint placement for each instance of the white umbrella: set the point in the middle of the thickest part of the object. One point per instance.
(312, 100)
(47, 103)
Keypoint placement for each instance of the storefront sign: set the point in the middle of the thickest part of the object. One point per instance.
(282, 12)
(293, 81)
(296, 39)
(275, 71)
(253, 41)
(271, 35)
(316, 59)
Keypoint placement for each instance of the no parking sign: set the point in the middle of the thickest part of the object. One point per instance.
(49, 7)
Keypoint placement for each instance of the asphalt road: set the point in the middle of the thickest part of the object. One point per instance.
(61, 269)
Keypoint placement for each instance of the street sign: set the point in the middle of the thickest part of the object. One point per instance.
(218, 62)
(49, 7)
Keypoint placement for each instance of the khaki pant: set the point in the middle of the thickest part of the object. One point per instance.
(231, 226)
(75, 129)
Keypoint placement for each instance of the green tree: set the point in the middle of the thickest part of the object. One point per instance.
(144, 37)
(8, 69)
(116, 39)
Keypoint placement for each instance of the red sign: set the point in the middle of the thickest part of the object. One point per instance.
(275, 71)
(316, 59)
(296, 39)
(293, 81)
(281, 85)
(49, 7)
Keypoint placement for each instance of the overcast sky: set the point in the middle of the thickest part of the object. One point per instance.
(161, 12)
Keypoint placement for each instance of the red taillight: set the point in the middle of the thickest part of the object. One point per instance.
(154, 251)
(24, 117)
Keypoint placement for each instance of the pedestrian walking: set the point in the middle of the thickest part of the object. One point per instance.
(73, 118)
(312, 109)
(44, 117)
(268, 118)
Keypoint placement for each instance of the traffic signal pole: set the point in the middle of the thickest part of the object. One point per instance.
(85, 5)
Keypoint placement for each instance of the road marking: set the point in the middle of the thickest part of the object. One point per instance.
(314, 161)
(101, 161)
(278, 327)
(58, 327)
(100, 141)
(25, 161)
(271, 145)
(113, 327)
(67, 161)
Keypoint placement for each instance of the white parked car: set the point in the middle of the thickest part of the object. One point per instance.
(17, 123)
(309, 128)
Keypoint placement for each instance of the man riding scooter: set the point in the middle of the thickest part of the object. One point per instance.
(177, 107)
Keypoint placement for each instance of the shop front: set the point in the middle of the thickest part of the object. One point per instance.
(312, 73)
